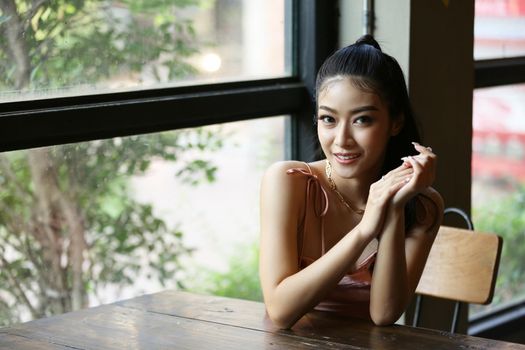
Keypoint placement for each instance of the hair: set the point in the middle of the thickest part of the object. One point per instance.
(372, 70)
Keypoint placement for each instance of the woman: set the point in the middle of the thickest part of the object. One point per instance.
(351, 233)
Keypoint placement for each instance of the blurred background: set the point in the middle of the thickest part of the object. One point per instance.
(94, 222)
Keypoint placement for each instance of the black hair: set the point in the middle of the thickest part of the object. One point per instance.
(372, 70)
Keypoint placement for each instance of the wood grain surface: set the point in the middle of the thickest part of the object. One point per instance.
(179, 320)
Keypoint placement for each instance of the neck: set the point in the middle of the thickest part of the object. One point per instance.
(355, 189)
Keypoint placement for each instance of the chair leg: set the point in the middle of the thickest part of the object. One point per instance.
(417, 311)
(455, 319)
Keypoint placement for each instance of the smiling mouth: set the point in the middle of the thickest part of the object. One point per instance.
(346, 156)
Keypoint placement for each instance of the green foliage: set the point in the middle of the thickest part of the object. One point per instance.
(124, 237)
(241, 280)
(71, 42)
(59, 201)
(506, 217)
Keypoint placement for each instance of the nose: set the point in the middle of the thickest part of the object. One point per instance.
(344, 137)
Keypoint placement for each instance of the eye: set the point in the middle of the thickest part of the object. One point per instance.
(326, 119)
(363, 120)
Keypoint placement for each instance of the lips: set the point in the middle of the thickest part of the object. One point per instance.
(346, 158)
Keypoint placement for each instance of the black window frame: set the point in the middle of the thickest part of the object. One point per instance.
(505, 321)
(54, 121)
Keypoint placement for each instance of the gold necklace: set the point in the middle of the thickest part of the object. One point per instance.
(333, 187)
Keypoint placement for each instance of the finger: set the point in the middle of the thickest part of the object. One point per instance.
(399, 170)
(423, 150)
(401, 167)
(419, 159)
(403, 178)
(396, 174)
(388, 187)
(418, 168)
(424, 160)
(398, 185)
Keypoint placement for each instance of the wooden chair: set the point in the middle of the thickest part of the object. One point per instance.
(462, 266)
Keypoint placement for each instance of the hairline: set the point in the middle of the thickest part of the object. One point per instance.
(360, 82)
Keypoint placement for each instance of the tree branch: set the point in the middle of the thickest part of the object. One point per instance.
(24, 245)
(77, 21)
(49, 220)
(32, 12)
(20, 291)
(17, 45)
(7, 171)
(76, 250)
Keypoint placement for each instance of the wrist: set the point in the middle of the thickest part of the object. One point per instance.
(364, 234)
(399, 201)
(395, 213)
(398, 205)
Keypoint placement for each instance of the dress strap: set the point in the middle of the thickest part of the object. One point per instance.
(313, 188)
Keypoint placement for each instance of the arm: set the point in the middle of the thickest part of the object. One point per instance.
(289, 292)
(401, 258)
(402, 255)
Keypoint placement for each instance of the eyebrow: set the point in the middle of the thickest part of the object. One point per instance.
(353, 111)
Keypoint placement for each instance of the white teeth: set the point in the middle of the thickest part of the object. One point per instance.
(340, 156)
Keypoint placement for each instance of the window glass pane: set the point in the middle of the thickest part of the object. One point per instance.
(70, 47)
(499, 29)
(94, 222)
(498, 181)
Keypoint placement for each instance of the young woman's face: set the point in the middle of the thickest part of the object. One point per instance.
(353, 128)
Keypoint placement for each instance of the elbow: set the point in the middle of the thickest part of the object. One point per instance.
(385, 317)
(280, 318)
(387, 312)
(383, 320)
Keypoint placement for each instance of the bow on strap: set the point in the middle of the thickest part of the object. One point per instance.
(313, 186)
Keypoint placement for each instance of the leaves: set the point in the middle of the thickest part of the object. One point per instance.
(81, 201)
(77, 42)
(506, 218)
(241, 280)
(124, 238)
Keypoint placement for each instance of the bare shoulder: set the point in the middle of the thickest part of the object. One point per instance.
(284, 166)
(277, 173)
(283, 197)
(280, 189)
(429, 210)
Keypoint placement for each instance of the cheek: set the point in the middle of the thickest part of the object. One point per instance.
(375, 140)
(324, 140)
(323, 135)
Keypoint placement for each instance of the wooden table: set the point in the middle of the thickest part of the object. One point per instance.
(178, 320)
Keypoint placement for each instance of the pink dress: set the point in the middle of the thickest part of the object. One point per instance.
(351, 296)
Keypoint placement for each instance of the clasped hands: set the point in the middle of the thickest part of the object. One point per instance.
(397, 187)
(415, 174)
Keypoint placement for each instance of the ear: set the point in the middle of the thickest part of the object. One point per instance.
(397, 125)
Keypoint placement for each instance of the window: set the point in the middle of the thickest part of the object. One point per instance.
(498, 151)
(498, 180)
(87, 47)
(138, 213)
(499, 29)
(79, 115)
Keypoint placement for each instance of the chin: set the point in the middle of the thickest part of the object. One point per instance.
(345, 172)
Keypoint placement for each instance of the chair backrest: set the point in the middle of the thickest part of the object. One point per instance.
(462, 266)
